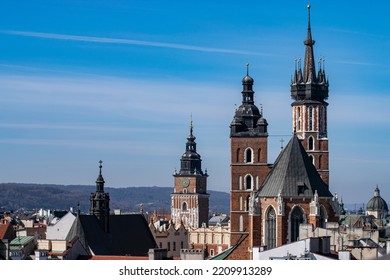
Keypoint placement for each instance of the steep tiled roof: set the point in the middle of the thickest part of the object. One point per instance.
(7, 231)
(293, 174)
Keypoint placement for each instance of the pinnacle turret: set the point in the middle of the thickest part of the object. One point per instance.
(306, 84)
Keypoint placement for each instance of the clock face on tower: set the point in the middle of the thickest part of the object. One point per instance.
(185, 182)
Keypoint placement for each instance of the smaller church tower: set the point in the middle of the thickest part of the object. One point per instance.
(190, 200)
(248, 167)
(309, 90)
(100, 202)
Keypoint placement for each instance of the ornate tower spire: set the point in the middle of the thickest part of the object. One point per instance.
(100, 181)
(248, 120)
(100, 202)
(191, 162)
(247, 92)
(309, 74)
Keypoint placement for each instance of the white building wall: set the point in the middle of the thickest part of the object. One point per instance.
(60, 230)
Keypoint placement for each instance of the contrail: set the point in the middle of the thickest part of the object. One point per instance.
(104, 40)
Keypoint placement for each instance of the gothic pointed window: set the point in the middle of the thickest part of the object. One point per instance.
(184, 206)
(296, 218)
(270, 228)
(310, 118)
(311, 143)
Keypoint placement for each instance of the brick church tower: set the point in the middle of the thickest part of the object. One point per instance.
(190, 200)
(248, 144)
(309, 90)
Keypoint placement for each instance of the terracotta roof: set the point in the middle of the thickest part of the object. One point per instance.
(6, 231)
(3, 229)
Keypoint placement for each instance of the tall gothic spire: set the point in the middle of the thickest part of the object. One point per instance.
(309, 71)
(306, 85)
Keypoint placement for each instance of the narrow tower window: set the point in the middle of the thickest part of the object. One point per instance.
(248, 182)
(311, 143)
(248, 155)
(312, 159)
(310, 118)
(184, 206)
(298, 118)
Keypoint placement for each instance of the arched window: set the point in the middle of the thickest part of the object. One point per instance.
(248, 182)
(249, 155)
(270, 228)
(323, 217)
(296, 219)
(241, 223)
(259, 155)
(184, 206)
(310, 118)
(238, 155)
(247, 204)
(320, 162)
(311, 143)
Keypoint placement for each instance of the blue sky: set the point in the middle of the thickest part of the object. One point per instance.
(118, 80)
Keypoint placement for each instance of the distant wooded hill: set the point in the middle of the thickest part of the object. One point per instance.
(14, 196)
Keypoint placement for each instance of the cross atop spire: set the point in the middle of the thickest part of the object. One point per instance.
(100, 181)
(100, 167)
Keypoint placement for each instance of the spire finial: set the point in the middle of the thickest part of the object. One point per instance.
(100, 167)
(247, 69)
(191, 126)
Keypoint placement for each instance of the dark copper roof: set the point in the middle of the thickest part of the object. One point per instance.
(293, 175)
(377, 203)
